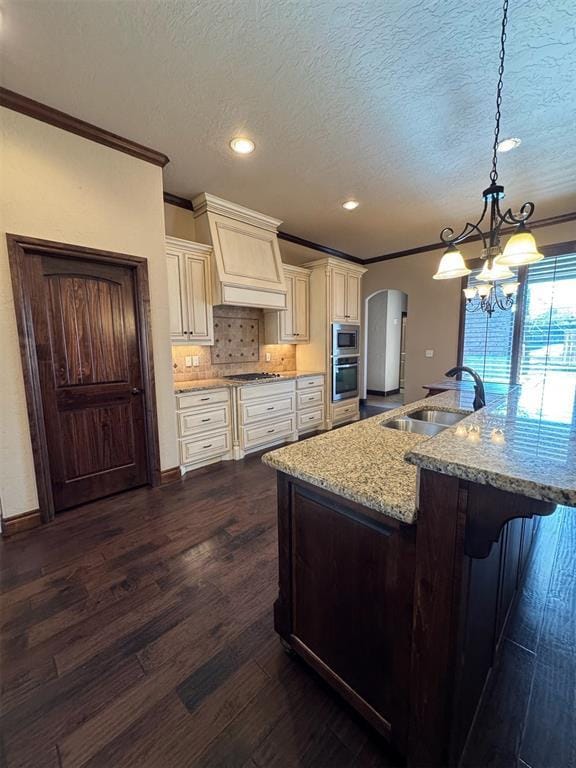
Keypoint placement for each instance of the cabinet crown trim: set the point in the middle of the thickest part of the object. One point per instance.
(188, 245)
(331, 261)
(296, 270)
(206, 203)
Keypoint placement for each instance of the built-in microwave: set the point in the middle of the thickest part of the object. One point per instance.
(345, 340)
(344, 378)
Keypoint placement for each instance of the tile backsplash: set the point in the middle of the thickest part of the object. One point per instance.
(237, 341)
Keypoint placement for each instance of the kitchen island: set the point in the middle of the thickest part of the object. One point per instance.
(400, 554)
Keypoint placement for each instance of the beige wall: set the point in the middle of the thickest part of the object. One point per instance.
(58, 186)
(179, 222)
(433, 307)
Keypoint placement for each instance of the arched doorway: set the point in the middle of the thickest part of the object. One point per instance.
(386, 314)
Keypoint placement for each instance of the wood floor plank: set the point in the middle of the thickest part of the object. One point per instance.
(497, 738)
(157, 605)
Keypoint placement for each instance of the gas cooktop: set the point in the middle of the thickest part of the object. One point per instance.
(253, 376)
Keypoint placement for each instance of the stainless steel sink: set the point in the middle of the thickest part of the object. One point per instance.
(411, 425)
(445, 418)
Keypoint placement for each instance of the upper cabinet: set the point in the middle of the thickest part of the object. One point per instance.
(345, 294)
(247, 268)
(291, 326)
(189, 291)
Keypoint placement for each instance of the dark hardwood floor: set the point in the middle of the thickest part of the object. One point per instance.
(137, 631)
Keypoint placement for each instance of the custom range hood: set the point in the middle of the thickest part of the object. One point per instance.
(247, 268)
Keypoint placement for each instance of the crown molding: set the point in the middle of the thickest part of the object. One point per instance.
(319, 247)
(19, 103)
(550, 221)
(181, 202)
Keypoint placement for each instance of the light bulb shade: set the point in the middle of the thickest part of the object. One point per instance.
(470, 293)
(451, 265)
(495, 272)
(520, 249)
(509, 289)
(484, 290)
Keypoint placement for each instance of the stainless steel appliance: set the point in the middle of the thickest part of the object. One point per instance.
(345, 339)
(344, 378)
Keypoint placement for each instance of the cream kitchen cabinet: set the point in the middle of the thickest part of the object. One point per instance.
(204, 420)
(292, 325)
(189, 293)
(266, 415)
(345, 295)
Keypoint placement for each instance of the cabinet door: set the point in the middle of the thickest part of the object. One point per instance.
(353, 298)
(339, 295)
(197, 292)
(176, 298)
(301, 304)
(287, 319)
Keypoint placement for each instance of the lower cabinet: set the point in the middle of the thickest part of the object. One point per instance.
(266, 414)
(344, 411)
(204, 427)
(230, 422)
(310, 404)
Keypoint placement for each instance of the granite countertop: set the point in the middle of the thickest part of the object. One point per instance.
(364, 462)
(523, 442)
(199, 384)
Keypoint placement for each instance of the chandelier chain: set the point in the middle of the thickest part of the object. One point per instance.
(494, 171)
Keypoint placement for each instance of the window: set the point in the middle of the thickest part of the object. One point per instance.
(537, 338)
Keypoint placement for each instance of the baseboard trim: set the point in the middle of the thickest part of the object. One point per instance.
(24, 522)
(383, 392)
(170, 475)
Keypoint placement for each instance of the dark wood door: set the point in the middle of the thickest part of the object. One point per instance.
(91, 380)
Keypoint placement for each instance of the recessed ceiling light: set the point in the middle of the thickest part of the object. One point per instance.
(242, 146)
(507, 144)
(350, 205)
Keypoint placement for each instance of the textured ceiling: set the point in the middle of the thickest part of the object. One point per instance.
(389, 101)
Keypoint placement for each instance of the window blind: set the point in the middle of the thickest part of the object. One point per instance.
(548, 344)
(488, 341)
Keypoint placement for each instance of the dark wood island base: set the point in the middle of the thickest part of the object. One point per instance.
(404, 621)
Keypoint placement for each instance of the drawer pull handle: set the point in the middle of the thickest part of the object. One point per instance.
(203, 399)
(270, 431)
(205, 420)
(207, 446)
(271, 408)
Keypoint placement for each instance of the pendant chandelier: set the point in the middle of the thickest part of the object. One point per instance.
(497, 287)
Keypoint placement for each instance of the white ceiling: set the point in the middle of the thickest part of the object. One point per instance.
(389, 101)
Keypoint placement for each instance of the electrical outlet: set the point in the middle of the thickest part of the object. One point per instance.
(195, 360)
(188, 361)
(429, 353)
(268, 357)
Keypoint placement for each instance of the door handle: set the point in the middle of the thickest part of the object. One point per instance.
(136, 390)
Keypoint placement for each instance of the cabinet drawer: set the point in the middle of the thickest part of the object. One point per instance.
(345, 412)
(196, 449)
(266, 409)
(204, 397)
(196, 420)
(310, 381)
(262, 434)
(311, 398)
(310, 419)
(272, 389)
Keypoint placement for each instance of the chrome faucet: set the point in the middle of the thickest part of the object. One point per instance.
(479, 394)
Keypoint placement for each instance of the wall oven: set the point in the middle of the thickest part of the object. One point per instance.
(345, 340)
(344, 378)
